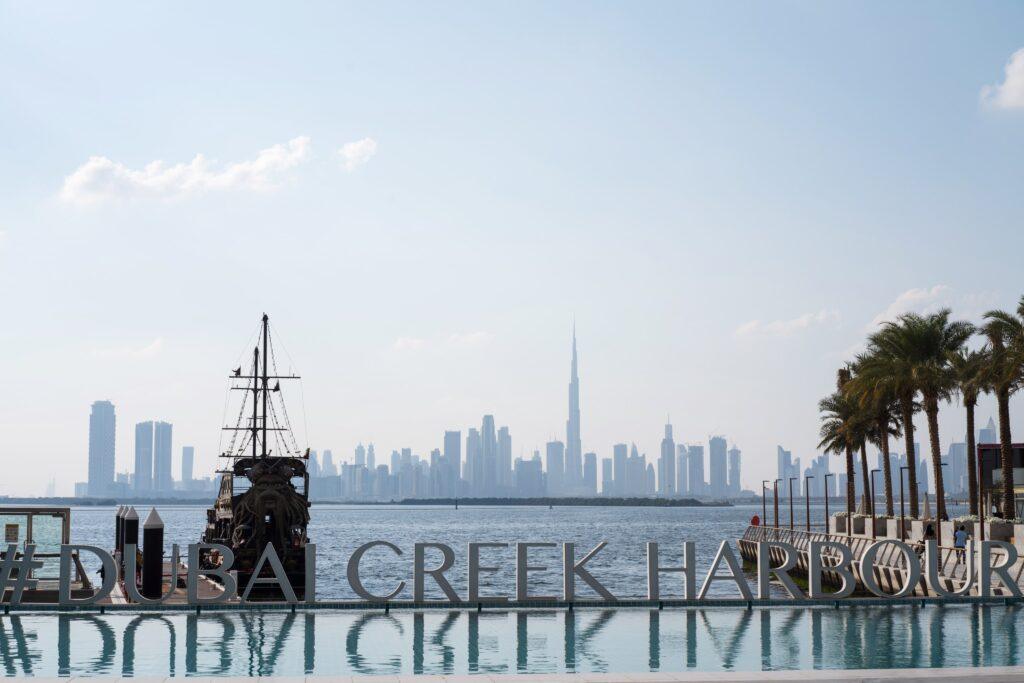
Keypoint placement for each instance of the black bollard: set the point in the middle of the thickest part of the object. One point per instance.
(152, 555)
(130, 535)
(118, 518)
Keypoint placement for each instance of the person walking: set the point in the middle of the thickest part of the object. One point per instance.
(960, 537)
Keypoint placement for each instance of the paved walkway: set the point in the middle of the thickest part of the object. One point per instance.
(993, 674)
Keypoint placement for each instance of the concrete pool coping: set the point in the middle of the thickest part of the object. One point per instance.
(988, 674)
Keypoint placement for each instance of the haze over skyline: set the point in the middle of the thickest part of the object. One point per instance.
(727, 200)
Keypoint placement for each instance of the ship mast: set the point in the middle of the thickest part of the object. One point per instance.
(262, 412)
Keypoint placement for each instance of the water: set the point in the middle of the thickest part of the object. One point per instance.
(440, 642)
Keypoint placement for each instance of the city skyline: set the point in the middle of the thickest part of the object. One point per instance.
(726, 198)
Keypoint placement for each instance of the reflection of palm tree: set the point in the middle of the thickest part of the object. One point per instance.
(584, 638)
(728, 651)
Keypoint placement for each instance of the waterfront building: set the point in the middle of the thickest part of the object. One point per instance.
(504, 460)
(143, 472)
(573, 442)
(818, 468)
(102, 431)
(474, 468)
(695, 465)
(589, 474)
(555, 455)
(620, 460)
(955, 476)
(188, 454)
(682, 467)
(529, 478)
(718, 467)
(488, 456)
(734, 471)
(163, 480)
(607, 478)
(787, 466)
(667, 464)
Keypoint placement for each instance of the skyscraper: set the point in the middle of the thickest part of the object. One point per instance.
(667, 464)
(695, 460)
(102, 422)
(488, 456)
(717, 466)
(143, 457)
(573, 443)
(620, 460)
(163, 481)
(988, 433)
(504, 459)
(556, 468)
(188, 454)
(734, 471)
(590, 473)
(607, 478)
(682, 487)
(452, 461)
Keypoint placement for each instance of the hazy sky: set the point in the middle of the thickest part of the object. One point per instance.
(423, 195)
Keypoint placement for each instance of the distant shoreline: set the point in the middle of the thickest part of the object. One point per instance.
(436, 502)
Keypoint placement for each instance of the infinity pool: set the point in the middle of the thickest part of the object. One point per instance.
(535, 641)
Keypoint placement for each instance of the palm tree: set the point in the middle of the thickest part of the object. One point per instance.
(884, 371)
(911, 355)
(883, 418)
(858, 433)
(1005, 373)
(838, 427)
(969, 367)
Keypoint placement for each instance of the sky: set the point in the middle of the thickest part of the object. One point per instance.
(725, 197)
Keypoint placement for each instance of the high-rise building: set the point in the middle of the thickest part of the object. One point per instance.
(488, 456)
(102, 429)
(163, 480)
(695, 461)
(371, 458)
(718, 466)
(452, 460)
(188, 454)
(682, 487)
(988, 433)
(556, 468)
(573, 443)
(504, 459)
(360, 455)
(474, 468)
(734, 471)
(620, 456)
(607, 478)
(327, 468)
(590, 473)
(143, 482)
(787, 467)
(667, 464)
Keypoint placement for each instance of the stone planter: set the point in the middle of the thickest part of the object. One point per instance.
(892, 528)
(881, 528)
(859, 524)
(998, 531)
(837, 525)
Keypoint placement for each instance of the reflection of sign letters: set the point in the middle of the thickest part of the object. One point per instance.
(990, 564)
(10, 533)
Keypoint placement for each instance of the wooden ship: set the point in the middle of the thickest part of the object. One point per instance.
(264, 486)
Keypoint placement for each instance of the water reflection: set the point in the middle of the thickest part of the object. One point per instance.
(495, 641)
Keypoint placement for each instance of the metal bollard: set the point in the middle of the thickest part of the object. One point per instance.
(129, 534)
(152, 555)
(118, 530)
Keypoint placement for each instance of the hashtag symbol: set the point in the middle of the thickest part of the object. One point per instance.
(20, 567)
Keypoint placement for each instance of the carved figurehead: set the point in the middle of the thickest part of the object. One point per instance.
(271, 511)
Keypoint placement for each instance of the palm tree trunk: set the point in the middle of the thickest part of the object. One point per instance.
(850, 491)
(907, 412)
(883, 443)
(865, 481)
(931, 409)
(1006, 451)
(972, 458)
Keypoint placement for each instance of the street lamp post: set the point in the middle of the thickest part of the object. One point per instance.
(828, 520)
(791, 480)
(807, 500)
(873, 534)
(903, 519)
(775, 501)
(764, 502)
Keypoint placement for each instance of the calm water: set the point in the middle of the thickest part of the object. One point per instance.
(345, 643)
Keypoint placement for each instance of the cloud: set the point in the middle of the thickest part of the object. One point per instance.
(787, 328)
(408, 344)
(917, 300)
(354, 154)
(1010, 93)
(469, 339)
(101, 180)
